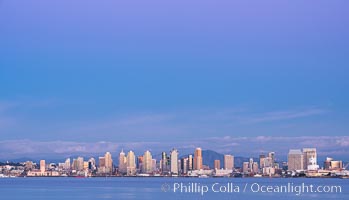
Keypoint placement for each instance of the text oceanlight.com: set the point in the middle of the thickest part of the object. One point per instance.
(297, 189)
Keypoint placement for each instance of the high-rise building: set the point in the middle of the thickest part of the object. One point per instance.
(198, 159)
(101, 165)
(80, 163)
(153, 164)
(174, 161)
(108, 163)
(92, 164)
(228, 162)
(131, 163)
(261, 161)
(250, 165)
(164, 163)
(272, 156)
(67, 164)
(85, 165)
(217, 164)
(147, 162)
(190, 163)
(140, 163)
(255, 168)
(295, 159)
(245, 167)
(184, 165)
(268, 162)
(42, 166)
(310, 157)
(74, 165)
(122, 163)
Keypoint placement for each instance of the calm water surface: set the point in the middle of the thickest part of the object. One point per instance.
(156, 188)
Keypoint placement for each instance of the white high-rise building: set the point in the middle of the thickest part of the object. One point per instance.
(122, 162)
(147, 162)
(131, 163)
(174, 161)
(67, 164)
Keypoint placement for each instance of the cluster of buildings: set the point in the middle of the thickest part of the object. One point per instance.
(305, 162)
(266, 166)
(169, 165)
(299, 163)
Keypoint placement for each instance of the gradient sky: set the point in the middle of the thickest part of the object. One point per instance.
(146, 72)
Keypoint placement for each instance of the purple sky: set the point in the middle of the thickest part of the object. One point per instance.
(158, 74)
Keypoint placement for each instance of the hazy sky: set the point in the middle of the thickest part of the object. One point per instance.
(174, 72)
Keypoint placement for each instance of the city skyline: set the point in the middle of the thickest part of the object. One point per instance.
(299, 163)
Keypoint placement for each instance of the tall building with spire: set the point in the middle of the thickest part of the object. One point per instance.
(122, 163)
(198, 159)
(174, 161)
(131, 163)
(147, 162)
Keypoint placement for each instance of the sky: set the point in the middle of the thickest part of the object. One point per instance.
(240, 77)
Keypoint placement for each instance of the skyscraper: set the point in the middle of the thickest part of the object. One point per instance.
(198, 159)
(92, 164)
(245, 167)
(139, 163)
(147, 162)
(131, 163)
(217, 164)
(272, 156)
(295, 159)
(184, 165)
(80, 163)
(153, 164)
(228, 162)
(101, 162)
(261, 161)
(190, 163)
(122, 163)
(309, 154)
(67, 164)
(108, 163)
(164, 162)
(174, 161)
(255, 168)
